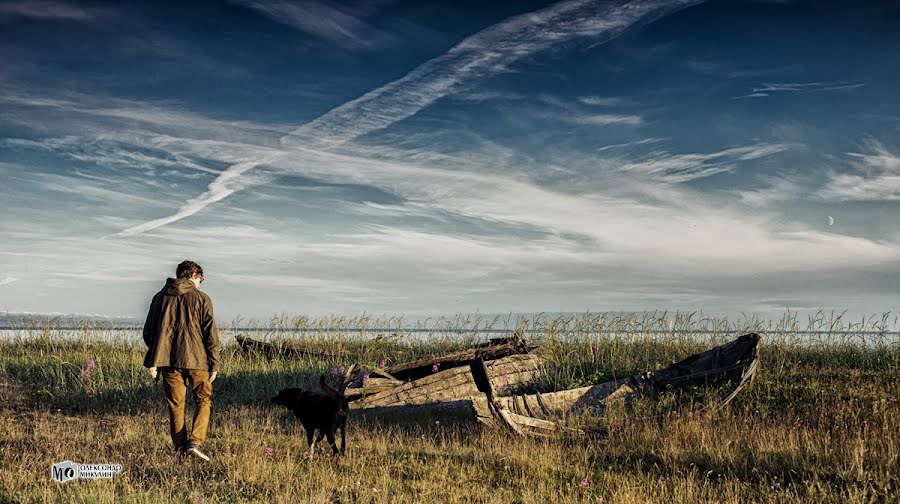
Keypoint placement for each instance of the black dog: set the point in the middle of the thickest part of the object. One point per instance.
(323, 412)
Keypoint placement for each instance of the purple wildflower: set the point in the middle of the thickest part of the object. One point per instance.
(381, 365)
(88, 369)
(365, 377)
(340, 370)
(435, 367)
(334, 371)
(270, 451)
(585, 482)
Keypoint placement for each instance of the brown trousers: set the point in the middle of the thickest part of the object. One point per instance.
(174, 384)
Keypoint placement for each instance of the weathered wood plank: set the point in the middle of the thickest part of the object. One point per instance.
(496, 349)
(456, 383)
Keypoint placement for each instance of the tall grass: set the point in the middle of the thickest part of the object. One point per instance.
(821, 422)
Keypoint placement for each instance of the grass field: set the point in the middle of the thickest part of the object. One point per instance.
(820, 424)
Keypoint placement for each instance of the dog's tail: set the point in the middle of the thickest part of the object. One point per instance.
(339, 392)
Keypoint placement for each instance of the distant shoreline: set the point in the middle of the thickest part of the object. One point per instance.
(448, 330)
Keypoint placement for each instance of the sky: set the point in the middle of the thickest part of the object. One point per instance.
(426, 158)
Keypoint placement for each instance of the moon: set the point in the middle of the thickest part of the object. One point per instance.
(830, 220)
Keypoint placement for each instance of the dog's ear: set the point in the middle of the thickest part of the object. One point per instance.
(328, 389)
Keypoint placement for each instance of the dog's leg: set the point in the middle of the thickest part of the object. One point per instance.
(343, 436)
(312, 447)
(309, 435)
(332, 442)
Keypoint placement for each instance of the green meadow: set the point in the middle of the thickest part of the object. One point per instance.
(821, 422)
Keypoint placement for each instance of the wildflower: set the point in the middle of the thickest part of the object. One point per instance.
(435, 367)
(340, 370)
(88, 369)
(381, 365)
(585, 482)
(365, 377)
(334, 371)
(270, 451)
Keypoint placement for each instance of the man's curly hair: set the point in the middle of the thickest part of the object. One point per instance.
(187, 269)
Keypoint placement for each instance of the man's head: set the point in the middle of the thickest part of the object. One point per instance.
(190, 270)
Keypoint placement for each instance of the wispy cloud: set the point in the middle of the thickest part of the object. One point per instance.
(670, 228)
(342, 23)
(94, 191)
(876, 176)
(671, 225)
(569, 113)
(49, 10)
(410, 209)
(485, 53)
(776, 190)
(606, 119)
(770, 88)
(224, 185)
(603, 101)
(109, 153)
(321, 285)
(664, 166)
(627, 145)
(105, 276)
(164, 117)
(488, 52)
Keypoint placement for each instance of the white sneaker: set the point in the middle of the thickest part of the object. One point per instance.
(196, 451)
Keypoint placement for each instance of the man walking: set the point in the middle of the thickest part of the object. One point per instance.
(183, 346)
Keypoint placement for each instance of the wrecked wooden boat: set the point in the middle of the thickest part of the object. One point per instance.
(494, 348)
(283, 348)
(447, 380)
(734, 363)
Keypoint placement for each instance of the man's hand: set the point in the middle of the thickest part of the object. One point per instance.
(212, 376)
(152, 372)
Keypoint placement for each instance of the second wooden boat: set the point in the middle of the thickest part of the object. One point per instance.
(734, 363)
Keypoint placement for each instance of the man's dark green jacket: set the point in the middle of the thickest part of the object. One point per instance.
(180, 330)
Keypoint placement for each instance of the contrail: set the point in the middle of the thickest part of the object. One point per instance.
(225, 184)
(483, 54)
